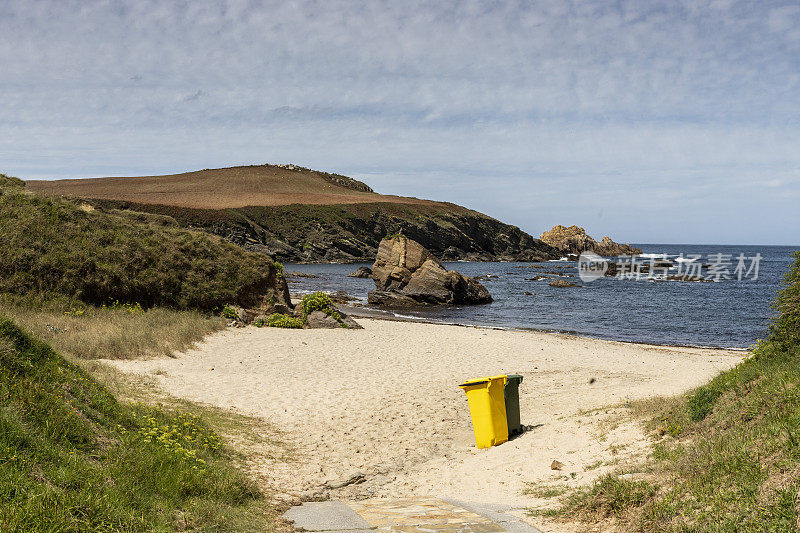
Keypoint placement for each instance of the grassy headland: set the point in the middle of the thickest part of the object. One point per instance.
(297, 214)
(727, 456)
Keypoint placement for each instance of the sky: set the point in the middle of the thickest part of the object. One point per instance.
(649, 121)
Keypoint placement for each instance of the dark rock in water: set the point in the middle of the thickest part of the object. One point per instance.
(562, 283)
(405, 273)
(361, 272)
(296, 274)
(390, 299)
(536, 278)
(528, 293)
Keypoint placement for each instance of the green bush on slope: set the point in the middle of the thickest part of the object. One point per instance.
(785, 329)
(74, 459)
(52, 246)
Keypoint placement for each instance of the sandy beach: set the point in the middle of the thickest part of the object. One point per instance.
(384, 403)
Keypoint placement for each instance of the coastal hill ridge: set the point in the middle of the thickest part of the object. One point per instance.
(297, 214)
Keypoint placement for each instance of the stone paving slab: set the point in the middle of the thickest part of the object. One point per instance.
(326, 516)
(504, 515)
(406, 515)
(417, 512)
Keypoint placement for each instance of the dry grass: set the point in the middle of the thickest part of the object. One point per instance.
(224, 188)
(123, 332)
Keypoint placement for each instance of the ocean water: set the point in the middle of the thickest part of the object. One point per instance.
(728, 313)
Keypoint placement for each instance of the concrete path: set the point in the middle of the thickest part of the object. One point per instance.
(409, 515)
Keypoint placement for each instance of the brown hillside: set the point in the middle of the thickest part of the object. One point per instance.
(226, 188)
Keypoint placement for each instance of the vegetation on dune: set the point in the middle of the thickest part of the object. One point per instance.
(727, 457)
(72, 458)
(52, 246)
(124, 331)
(95, 284)
(11, 181)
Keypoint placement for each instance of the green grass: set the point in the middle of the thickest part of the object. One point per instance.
(52, 246)
(609, 496)
(72, 458)
(727, 456)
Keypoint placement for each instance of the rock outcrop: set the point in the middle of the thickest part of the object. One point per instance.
(407, 274)
(574, 240)
(361, 272)
(351, 233)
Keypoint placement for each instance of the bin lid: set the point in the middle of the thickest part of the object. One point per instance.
(514, 377)
(471, 382)
(482, 381)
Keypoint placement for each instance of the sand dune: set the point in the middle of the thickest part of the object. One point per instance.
(385, 402)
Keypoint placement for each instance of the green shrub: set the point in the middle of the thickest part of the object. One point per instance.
(317, 301)
(278, 320)
(50, 245)
(229, 312)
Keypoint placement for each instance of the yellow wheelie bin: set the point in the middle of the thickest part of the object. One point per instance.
(487, 407)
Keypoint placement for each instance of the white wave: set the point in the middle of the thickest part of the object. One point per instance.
(398, 315)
